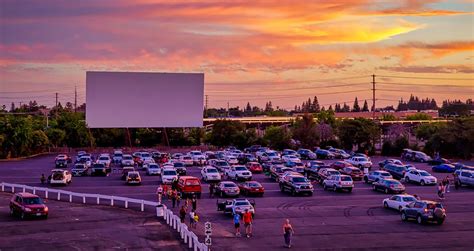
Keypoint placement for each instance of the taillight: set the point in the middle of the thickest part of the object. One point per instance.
(425, 210)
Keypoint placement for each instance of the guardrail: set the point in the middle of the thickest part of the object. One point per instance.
(171, 219)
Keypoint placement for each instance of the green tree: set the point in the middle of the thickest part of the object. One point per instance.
(419, 116)
(388, 117)
(358, 132)
(356, 107)
(304, 130)
(56, 136)
(39, 141)
(277, 137)
(426, 131)
(224, 132)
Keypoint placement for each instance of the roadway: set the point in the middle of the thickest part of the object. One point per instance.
(327, 220)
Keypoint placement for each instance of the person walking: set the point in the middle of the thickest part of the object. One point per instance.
(43, 178)
(182, 214)
(169, 192)
(211, 190)
(159, 193)
(196, 220)
(440, 190)
(446, 184)
(178, 199)
(248, 223)
(194, 202)
(174, 194)
(237, 224)
(191, 219)
(287, 232)
(165, 191)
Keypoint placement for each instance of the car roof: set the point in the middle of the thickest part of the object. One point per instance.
(58, 170)
(188, 177)
(27, 195)
(134, 172)
(227, 182)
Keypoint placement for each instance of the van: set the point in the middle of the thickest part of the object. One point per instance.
(189, 186)
(397, 171)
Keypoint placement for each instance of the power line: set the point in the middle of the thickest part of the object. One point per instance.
(407, 91)
(291, 96)
(264, 82)
(430, 78)
(427, 85)
(291, 89)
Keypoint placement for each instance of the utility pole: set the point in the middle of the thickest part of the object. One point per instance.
(75, 98)
(228, 112)
(56, 99)
(373, 96)
(205, 107)
(56, 107)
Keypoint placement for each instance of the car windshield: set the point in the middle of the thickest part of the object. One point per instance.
(242, 203)
(361, 159)
(272, 154)
(169, 172)
(104, 158)
(212, 170)
(99, 165)
(146, 155)
(385, 174)
(240, 168)
(133, 175)
(229, 185)
(392, 182)
(187, 157)
(299, 179)
(32, 201)
(152, 166)
(84, 159)
(254, 185)
(178, 164)
(192, 183)
(79, 167)
(127, 157)
(221, 163)
(433, 206)
(118, 154)
(346, 178)
(333, 172)
(409, 199)
(424, 173)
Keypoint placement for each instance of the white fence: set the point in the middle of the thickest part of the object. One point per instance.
(172, 220)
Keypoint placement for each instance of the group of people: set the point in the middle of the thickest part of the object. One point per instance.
(247, 219)
(193, 216)
(443, 187)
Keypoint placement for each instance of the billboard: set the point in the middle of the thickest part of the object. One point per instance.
(144, 99)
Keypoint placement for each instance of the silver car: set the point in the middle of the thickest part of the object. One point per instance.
(338, 182)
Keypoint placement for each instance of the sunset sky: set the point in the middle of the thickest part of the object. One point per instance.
(284, 51)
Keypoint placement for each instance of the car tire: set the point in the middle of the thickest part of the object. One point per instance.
(334, 188)
(419, 220)
(404, 216)
(12, 212)
(324, 187)
(374, 188)
(350, 190)
(386, 190)
(385, 205)
(407, 179)
(422, 183)
(22, 216)
(400, 208)
(366, 180)
(293, 192)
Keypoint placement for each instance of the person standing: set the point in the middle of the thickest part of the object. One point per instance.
(165, 191)
(174, 194)
(211, 190)
(446, 184)
(196, 220)
(178, 199)
(440, 190)
(248, 223)
(182, 214)
(287, 232)
(42, 179)
(237, 224)
(191, 219)
(159, 193)
(194, 202)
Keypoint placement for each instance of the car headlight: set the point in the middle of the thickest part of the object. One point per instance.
(27, 209)
(46, 209)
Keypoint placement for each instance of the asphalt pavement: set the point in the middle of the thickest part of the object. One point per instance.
(325, 221)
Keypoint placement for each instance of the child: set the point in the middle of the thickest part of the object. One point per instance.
(191, 218)
(196, 219)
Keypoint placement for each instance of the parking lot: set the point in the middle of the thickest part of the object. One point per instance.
(79, 227)
(326, 220)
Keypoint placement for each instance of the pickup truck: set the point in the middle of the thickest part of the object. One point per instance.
(238, 206)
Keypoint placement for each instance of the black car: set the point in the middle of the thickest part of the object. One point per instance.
(388, 186)
(306, 154)
(245, 158)
(438, 161)
(99, 169)
(312, 172)
(296, 184)
(424, 211)
(397, 171)
(61, 163)
(267, 165)
(276, 171)
(79, 170)
(252, 149)
(180, 168)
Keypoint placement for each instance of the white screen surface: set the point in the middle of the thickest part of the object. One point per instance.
(140, 100)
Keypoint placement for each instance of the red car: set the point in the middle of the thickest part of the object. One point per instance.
(64, 156)
(254, 167)
(338, 165)
(251, 188)
(28, 205)
(354, 172)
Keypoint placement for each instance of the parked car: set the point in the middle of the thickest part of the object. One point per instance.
(168, 175)
(180, 167)
(354, 172)
(251, 188)
(210, 173)
(227, 189)
(86, 160)
(424, 211)
(338, 165)
(133, 178)
(421, 177)
(127, 160)
(398, 202)
(187, 160)
(79, 169)
(254, 167)
(239, 173)
(104, 159)
(324, 173)
(246, 158)
(338, 183)
(391, 161)
(189, 186)
(444, 168)
(306, 154)
(61, 163)
(296, 184)
(199, 159)
(464, 178)
(60, 177)
(276, 171)
(153, 169)
(64, 156)
(360, 162)
(252, 149)
(290, 158)
(28, 205)
(221, 165)
(236, 206)
(339, 153)
(269, 156)
(438, 161)
(324, 154)
(125, 171)
(99, 169)
(312, 172)
(397, 171)
(376, 176)
(417, 156)
(117, 157)
(232, 160)
(388, 186)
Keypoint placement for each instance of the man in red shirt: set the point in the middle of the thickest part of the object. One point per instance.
(248, 223)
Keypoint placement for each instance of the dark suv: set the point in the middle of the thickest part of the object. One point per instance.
(397, 171)
(296, 184)
(28, 205)
(424, 211)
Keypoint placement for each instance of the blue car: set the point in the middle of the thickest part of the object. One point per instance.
(444, 168)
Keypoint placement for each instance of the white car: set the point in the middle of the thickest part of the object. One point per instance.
(145, 157)
(104, 159)
(127, 160)
(86, 160)
(168, 175)
(338, 182)
(117, 157)
(291, 158)
(398, 202)
(147, 162)
(60, 177)
(199, 158)
(269, 156)
(360, 162)
(153, 169)
(239, 173)
(210, 173)
(421, 177)
(187, 160)
(232, 160)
